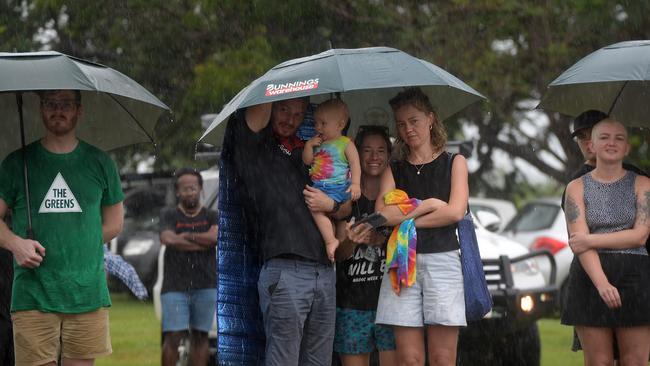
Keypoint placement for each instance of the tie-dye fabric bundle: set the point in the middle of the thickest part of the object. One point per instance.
(400, 253)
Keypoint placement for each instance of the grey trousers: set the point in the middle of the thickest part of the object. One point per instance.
(298, 303)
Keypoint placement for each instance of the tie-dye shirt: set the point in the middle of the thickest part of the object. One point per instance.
(330, 164)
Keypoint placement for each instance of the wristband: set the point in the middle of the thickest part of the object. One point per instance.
(337, 205)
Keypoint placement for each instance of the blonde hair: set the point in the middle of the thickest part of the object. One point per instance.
(337, 106)
(420, 101)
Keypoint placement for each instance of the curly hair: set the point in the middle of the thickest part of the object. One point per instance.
(416, 98)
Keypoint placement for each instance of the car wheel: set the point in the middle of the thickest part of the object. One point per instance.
(523, 347)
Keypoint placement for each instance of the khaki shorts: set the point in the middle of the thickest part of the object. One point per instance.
(38, 336)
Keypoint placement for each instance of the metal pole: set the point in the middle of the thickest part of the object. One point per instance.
(30, 230)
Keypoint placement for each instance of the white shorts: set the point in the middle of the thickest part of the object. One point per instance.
(436, 297)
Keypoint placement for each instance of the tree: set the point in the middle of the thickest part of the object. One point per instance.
(510, 51)
(197, 54)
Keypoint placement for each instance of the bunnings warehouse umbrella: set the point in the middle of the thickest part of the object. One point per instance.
(117, 110)
(614, 79)
(366, 78)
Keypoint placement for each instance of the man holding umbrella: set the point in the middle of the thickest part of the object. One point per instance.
(297, 282)
(60, 297)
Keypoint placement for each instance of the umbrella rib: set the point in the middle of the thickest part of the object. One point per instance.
(616, 99)
(132, 116)
(338, 68)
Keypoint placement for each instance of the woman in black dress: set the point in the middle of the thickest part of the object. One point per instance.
(608, 217)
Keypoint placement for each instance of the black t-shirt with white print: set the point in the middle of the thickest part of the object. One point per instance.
(358, 278)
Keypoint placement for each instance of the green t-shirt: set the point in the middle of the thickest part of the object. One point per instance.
(67, 195)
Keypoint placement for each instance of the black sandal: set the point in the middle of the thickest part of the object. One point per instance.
(375, 220)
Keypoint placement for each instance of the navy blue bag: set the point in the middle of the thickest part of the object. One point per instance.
(478, 300)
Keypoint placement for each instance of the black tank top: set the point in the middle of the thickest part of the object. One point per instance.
(433, 181)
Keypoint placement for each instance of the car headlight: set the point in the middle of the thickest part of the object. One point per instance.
(138, 246)
(526, 303)
(528, 267)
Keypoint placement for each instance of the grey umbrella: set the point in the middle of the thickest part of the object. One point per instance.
(117, 110)
(614, 79)
(366, 79)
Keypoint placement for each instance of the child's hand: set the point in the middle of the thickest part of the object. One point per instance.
(355, 191)
(314, 141)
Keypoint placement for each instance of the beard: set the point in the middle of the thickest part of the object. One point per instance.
(190, 204)
(61, 126)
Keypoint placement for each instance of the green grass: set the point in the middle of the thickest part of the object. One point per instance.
(135, 334)
(556, 344)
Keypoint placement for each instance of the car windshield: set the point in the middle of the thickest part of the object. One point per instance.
(534, 216)
(142, 208)
(478, 207)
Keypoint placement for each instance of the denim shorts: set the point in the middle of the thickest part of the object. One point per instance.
(193, 309)
(436, 297)
(357, 333)
(337, 192)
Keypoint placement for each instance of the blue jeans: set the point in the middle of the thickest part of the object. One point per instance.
(193, 309)
(298, 303)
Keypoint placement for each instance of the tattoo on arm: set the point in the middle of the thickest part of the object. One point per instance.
(571, 210)
(643, 209)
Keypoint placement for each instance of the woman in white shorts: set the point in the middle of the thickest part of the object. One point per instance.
(435, 301)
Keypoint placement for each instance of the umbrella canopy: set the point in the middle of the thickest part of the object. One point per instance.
(615, 79)
(117, 110)
(366, 78)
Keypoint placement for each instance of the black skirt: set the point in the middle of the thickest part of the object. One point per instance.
(629, 273)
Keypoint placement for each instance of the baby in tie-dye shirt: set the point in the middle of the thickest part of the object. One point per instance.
(334, 161)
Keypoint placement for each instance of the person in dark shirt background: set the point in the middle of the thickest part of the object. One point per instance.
(189, 294)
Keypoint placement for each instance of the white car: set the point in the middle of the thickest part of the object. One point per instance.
(492, 213)
(539, 225)
(521, 294)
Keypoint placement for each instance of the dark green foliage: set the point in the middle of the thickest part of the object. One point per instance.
(197, 54)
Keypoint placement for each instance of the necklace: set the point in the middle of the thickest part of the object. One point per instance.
(189, 214)
(419, 169)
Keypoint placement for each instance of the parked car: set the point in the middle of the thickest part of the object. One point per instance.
(539, 225)
(144, 196)
(508, 335)
(492, 213)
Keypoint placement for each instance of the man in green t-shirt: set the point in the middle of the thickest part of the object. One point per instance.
(60, 298)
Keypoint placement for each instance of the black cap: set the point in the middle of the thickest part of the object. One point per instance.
(587, 120)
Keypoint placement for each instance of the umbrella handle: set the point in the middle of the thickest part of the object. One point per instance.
(30, 230)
